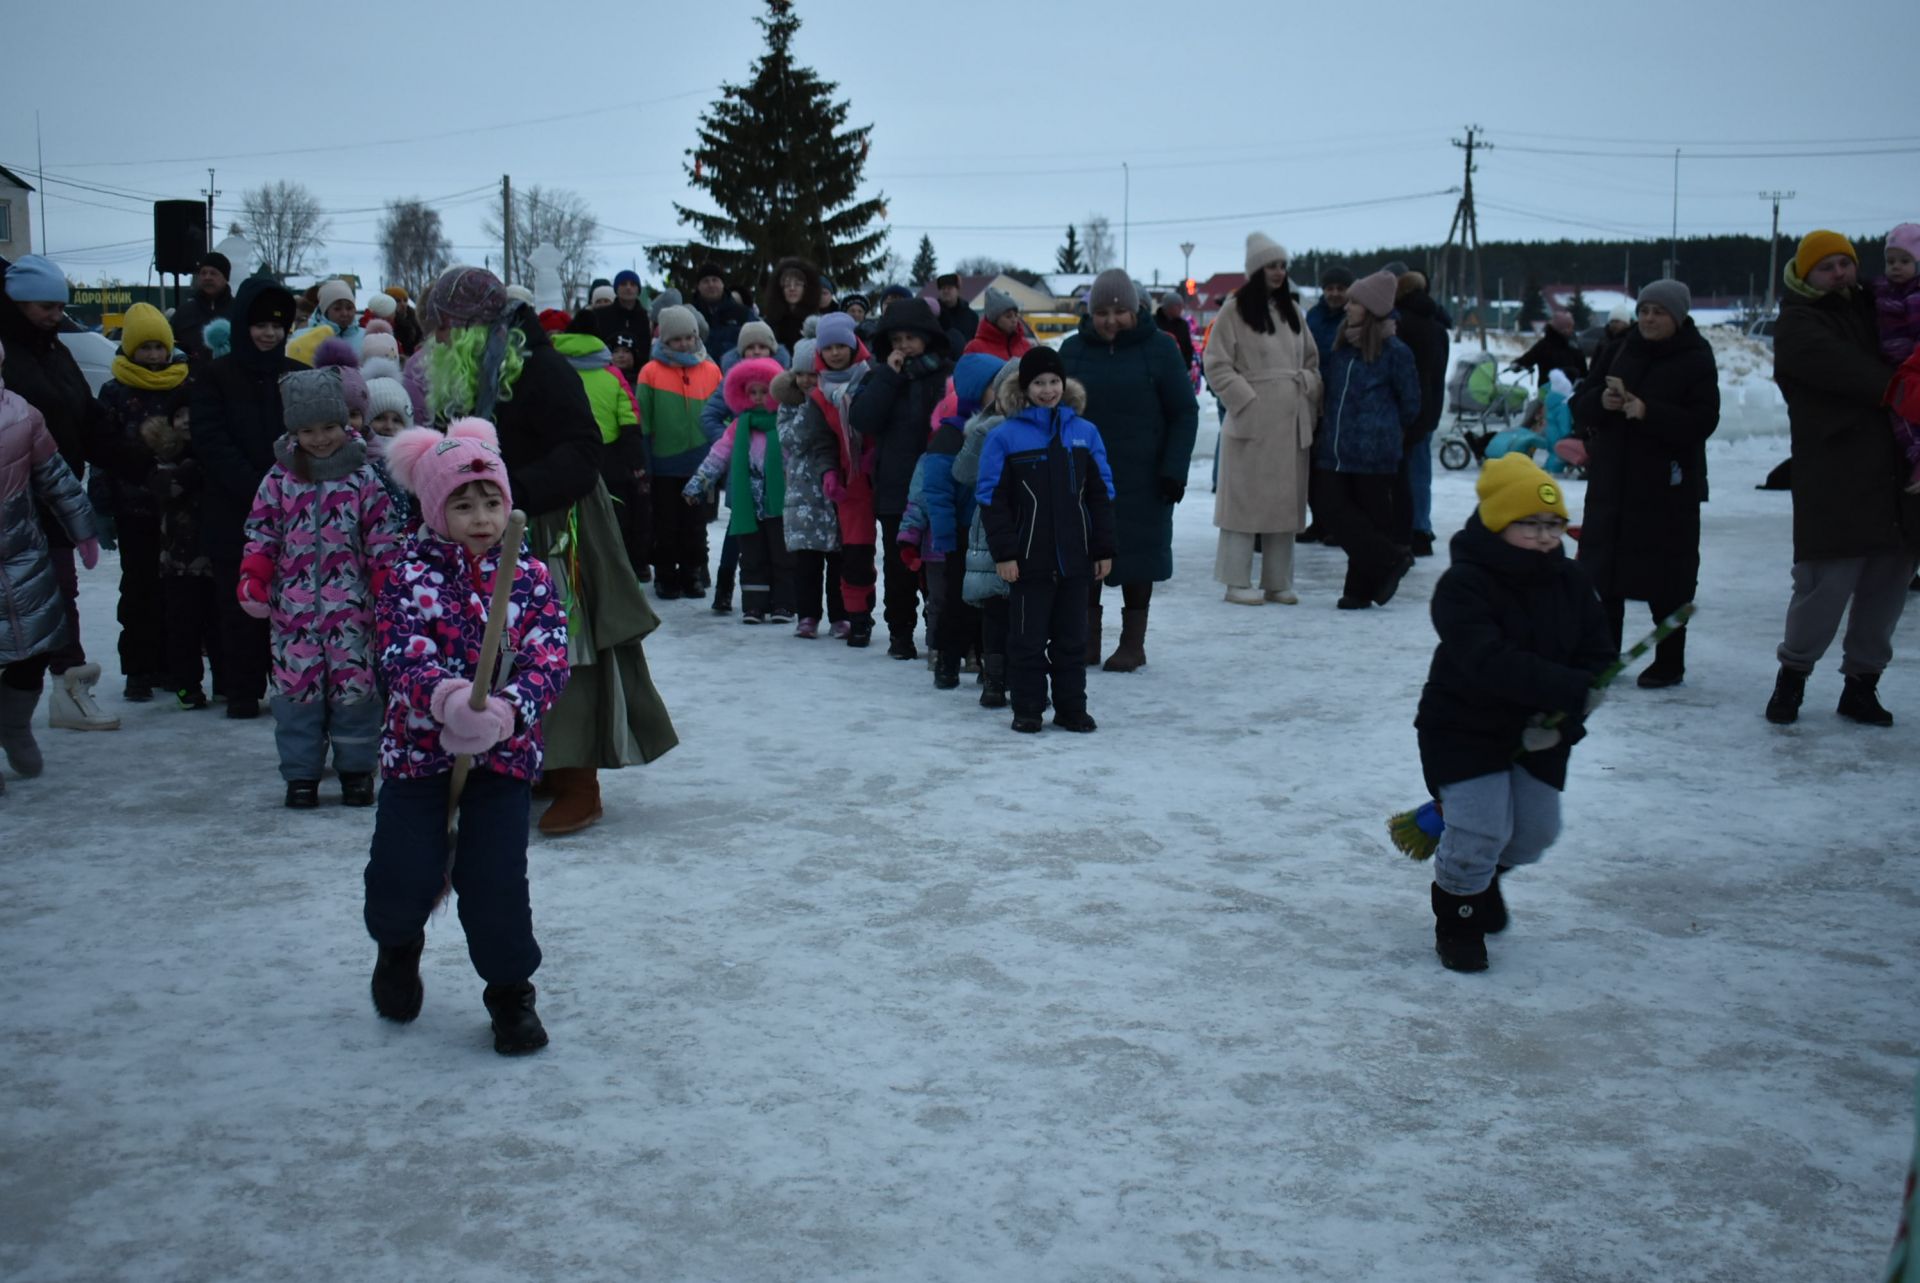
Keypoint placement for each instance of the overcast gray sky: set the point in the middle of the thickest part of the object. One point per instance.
(996, 123)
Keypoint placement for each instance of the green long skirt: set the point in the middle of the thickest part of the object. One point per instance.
(610, 715)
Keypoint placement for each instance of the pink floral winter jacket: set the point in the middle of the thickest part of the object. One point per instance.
(432, 620)
(326, 541)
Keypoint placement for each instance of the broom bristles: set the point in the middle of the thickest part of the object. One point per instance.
(1409, 837)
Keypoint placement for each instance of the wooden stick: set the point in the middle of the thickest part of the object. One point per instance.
(489, 662)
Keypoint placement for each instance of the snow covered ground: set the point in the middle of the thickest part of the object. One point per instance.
(856, 985)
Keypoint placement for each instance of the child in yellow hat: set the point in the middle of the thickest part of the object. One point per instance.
(1522, 636)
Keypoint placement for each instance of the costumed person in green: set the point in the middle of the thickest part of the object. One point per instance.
(489, 358)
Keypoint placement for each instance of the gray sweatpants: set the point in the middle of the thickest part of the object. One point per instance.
(301, 733)
(1233, 560)
(1877, 588)
(1506, 818)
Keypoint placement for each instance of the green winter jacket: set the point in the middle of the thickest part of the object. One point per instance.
(1139, 393)
(612, 405)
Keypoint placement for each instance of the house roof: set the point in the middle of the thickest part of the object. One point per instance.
(15, 179)
(1213, 291)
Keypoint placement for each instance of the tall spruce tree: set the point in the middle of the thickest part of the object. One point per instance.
(777, 157)
(1067, 258)
(925, 265)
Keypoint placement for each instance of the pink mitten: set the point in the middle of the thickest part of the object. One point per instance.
(89, 550)
(831, 487)
(252, 593)
(463, 729)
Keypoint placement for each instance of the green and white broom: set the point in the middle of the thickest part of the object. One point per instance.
(1417, 832)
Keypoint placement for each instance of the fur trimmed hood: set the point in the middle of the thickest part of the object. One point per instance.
(1010, 398)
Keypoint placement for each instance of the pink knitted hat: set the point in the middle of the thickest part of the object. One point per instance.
(433, 466)
(1906, 237)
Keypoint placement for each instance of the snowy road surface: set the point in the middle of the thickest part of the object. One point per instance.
(859, 986)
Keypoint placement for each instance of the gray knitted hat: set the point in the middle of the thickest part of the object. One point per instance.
(311, 397)
(997, 302)
(1674, 296)
(678, 323)
(1113, 288)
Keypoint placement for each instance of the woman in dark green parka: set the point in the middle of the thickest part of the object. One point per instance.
(1139, 396)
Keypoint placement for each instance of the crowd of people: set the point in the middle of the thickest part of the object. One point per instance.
(287, 515)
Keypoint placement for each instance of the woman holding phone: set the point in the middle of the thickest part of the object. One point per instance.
(1647, 410)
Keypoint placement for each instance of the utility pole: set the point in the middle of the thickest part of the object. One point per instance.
(1673, 243)
(1773, 244)
(210, 192)
(506, 227)
(1126, 219)
(40, 159)
(1467, 222)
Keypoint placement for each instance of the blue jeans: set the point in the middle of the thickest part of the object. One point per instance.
(406, 869)
(1420, 481)
(1493, 821)
(301, 733)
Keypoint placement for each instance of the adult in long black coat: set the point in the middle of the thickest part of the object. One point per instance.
(1555, 350)
(894, 408)
(1647, 467)
(235, 419)
(1855, 530)
(1423, 327)
(724, 313)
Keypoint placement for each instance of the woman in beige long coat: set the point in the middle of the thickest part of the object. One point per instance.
(1262, 364)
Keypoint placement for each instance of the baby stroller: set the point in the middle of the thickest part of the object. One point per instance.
(1483, 407)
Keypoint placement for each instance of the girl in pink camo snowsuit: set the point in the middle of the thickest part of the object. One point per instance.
(318, 540)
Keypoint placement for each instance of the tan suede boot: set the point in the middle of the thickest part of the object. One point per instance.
(576, 801)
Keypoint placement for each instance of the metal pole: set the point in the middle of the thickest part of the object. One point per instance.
(1186, 264)
(506, 226)
(1673, 243)
(40, 157)
(1126, 220)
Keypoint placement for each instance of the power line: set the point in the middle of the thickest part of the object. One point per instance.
(392, 142)
(1712, 142)
(1823, 154)
(1054, 226)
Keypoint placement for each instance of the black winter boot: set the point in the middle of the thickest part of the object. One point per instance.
(356, 788)
(1027, 723)
(1860, 702)
(722, 595)
(1493, 915)
(397, 990)
(993, 692)
(1789, 688)
(946, 671)
(303, 795)
(1669, 666)
(1458, 934)
(1079, 720)
(516, 1027)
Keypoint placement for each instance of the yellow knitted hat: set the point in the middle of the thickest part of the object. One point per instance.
(144, 323)
(1514, 486)
(1815, 246)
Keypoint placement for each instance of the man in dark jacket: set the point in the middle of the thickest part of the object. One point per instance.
(956, 318)
(1170, 316)
(894, 408)
(210, 299)
(1555, 350)
(235, 419)
(1855, 530)
(724, 313)
(1423, 327)
(42, 372)
(1324, 320)
(624, 326)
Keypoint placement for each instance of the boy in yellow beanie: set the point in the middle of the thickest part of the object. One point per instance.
(148, 383)
(1522, 637)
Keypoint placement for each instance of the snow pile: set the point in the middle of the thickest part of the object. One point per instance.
(857, 985)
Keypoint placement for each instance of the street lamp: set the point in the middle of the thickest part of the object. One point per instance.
(1186, 264)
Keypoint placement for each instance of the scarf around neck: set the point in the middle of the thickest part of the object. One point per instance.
(741, 519)
(667, 356)
(135, 375)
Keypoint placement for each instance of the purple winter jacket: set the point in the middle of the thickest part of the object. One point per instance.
(1897, 309)
(431, 618)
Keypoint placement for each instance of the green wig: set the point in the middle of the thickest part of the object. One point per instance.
(454, 370)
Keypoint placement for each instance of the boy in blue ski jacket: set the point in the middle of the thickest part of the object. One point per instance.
(1046, 502)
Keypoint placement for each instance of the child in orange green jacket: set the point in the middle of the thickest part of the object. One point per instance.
(672, 389)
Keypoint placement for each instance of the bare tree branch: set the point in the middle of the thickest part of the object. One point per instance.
(413, 245)
(284, 222)
(555, 216)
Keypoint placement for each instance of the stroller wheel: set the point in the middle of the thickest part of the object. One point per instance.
(1454, 455)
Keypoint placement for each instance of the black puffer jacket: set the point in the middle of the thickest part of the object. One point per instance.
(1848, 498)
(1423, 327)
(895, 407)
(235, 419)
(1521, 633)
(42, 372)
(1647, 478)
